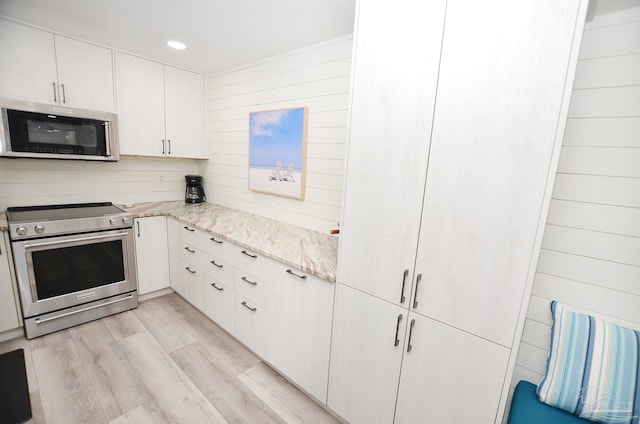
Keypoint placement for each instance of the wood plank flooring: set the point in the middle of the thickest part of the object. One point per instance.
(164, 362)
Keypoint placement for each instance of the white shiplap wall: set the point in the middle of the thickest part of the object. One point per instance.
(317, 77)
(590, 255)
(131, 180)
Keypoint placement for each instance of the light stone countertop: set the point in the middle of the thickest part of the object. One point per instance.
(307, 250)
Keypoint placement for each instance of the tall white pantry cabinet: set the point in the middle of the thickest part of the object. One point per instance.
(457, 115)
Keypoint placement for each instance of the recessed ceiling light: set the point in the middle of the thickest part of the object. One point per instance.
(176, 45)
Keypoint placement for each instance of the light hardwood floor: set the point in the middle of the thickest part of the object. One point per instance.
(164, 362)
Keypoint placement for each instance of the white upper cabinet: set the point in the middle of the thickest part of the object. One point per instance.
(140, 105)
(160, 109)
(41, 67)
(184, 113)
(85, 75)
(28, 65)
(393, 96)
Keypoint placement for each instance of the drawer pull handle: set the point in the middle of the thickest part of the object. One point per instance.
(409, 347)
(249, 254)
(216, 287)
(189, 250)
(246, 280)
(218, 265)
(248, 307)
(302, 277)
(215, 241)
(189, 269)
(189, 229)
(397, 340)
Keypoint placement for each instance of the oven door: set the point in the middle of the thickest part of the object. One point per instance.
(64, 271)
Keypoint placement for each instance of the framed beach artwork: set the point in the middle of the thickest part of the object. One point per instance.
(278, 152)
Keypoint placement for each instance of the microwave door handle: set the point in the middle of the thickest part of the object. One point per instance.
(107, 137)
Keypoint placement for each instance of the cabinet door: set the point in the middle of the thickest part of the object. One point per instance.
(300, 312)
(28, 65)
(494, 131)
(175, 264)
(394, 83)
(140, 106)
(152, 253)
(449, 376)
(184, 99)
(8, 307)
(85, 75)
(366, 353)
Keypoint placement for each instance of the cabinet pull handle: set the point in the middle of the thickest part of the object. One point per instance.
(163, 153)
(397, 340)
(409, 347)
(189, 250)
(216, 287)
(169, 144)
(302, 277)
(415, 292)
(55, 96)
(215, 241)
(64, 97)
(138, 224)
(404, 281)
(248, 307)
(246, 280)
(218, 265)
(189, 269)
(189, 229)
(249, 254)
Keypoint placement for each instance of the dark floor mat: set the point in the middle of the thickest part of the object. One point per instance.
(15, 405)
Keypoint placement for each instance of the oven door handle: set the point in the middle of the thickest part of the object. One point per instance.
(75, 240)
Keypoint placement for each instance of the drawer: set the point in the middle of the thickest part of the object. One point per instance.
(219, 248)
(218, 270)
(220, 304)
(251, 325)
(251, 287)
(190, 235)
(193, 286)
(190, 255)
(253, 263)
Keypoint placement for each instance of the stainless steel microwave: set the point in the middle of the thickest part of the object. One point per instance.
(41, 131)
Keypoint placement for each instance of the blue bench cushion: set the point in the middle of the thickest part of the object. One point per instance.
(527, 409)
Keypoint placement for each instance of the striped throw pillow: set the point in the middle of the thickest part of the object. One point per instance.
(593, 368)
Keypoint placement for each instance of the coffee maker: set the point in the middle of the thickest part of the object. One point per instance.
(194, 192)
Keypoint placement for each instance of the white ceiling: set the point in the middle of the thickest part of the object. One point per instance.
(219, 34)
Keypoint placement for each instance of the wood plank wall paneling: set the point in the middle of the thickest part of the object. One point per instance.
(317, 77)
(131, 180)
(590, 255)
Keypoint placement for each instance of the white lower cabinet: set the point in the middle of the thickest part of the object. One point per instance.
(282, 314)
(366, 356)
(300, 308)
(8, 306)
(393, 366)
(151, 253)
(441, 364)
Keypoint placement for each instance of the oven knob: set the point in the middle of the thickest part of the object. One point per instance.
(113, 221)
(126, 220)
(22, 231)
(39, 228)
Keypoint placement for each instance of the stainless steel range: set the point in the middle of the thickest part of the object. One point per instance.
(74, 263)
